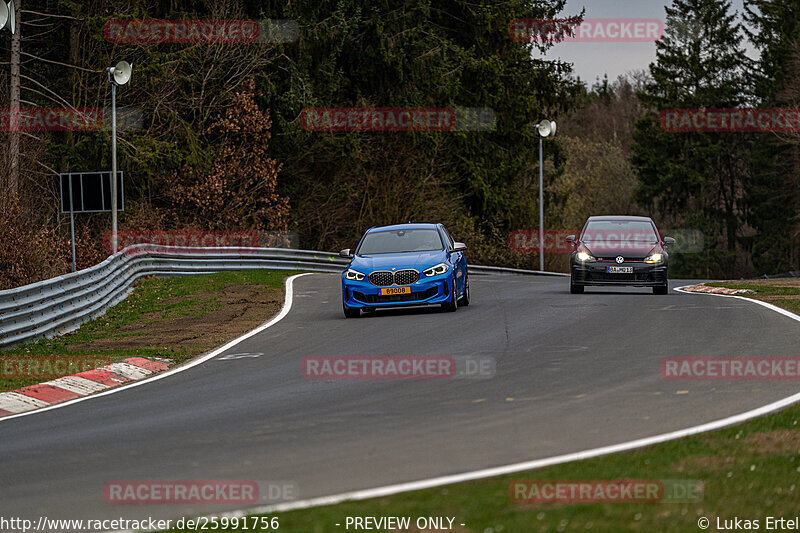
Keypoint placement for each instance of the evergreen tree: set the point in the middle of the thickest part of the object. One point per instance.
(696, 178)
(774, 27)
(773, 194)
(416, 53)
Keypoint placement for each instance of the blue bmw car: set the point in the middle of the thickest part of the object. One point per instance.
(403, 265)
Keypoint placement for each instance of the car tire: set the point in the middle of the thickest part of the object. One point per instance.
(452, 305)
(661, 289)
(575, 289)
(464, 300)
(351, 313)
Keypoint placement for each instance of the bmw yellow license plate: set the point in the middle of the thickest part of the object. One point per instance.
(395, 290)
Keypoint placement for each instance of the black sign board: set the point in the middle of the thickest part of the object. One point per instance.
(91, 192)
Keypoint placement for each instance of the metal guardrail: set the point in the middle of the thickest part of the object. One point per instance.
(477, 269)
(790, 274)
(59, 305)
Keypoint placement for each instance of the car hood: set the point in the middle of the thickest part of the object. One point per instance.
(417, 260)
(627, 249)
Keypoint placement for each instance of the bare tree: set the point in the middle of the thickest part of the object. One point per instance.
(14, 136)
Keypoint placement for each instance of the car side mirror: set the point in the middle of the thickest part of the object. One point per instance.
(668, 241)
(571, 239)
(459, 247)
(345, 253)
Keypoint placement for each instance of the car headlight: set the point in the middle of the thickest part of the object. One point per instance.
(654, 258)
(354, 275)
(583, 256)
(441, 268)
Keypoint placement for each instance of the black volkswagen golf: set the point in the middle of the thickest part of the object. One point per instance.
(619, 250)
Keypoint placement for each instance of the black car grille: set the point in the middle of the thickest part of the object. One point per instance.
(381, 299)
(384, 278)
(620, 277)
(381, 278)
(638, 276)
(406, 277)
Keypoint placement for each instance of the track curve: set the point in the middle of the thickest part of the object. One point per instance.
(573, 372)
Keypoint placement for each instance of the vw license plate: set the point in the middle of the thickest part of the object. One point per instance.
(620, 270)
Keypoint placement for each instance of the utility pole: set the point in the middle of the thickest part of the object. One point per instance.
(14, 136)
(117, 75)
(545, 128)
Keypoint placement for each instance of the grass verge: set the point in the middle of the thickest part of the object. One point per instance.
(783, 293)
(168, 318)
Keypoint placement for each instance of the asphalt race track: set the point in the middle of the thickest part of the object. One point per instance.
(573, 372)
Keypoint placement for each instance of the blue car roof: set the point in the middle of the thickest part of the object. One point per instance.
(413, 225)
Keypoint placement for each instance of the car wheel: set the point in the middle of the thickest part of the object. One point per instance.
(661, 289)
(575, 289)
(452, 305)
(464, 300)
(351, 313)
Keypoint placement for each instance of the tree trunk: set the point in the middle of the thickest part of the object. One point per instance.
(69, 136)
(14, 136)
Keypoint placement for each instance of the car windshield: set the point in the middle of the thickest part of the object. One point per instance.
(619, 230)
(399, 241)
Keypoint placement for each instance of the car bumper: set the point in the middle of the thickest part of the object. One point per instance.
(595, 273)
(426, 291)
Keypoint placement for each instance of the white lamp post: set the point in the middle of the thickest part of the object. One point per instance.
(8, 16)
(117, 75)
(545, 128)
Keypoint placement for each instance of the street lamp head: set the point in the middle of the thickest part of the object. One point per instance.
(120, 74)
(546, 128)
(8, 16)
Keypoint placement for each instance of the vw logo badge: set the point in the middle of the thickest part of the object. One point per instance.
(620, 259)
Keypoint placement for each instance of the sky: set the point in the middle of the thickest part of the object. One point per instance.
(592, 60)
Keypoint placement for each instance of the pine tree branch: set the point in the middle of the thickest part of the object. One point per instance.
(52, 15)
(40, 93)
(59, 98)
(51, 61)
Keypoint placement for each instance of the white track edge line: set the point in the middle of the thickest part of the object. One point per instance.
(389, 490)
(775, 308)
(518, 467)
(287, 306)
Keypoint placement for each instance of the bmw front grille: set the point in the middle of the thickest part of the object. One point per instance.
(406, 277)
(381, 278)
(385, 278)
